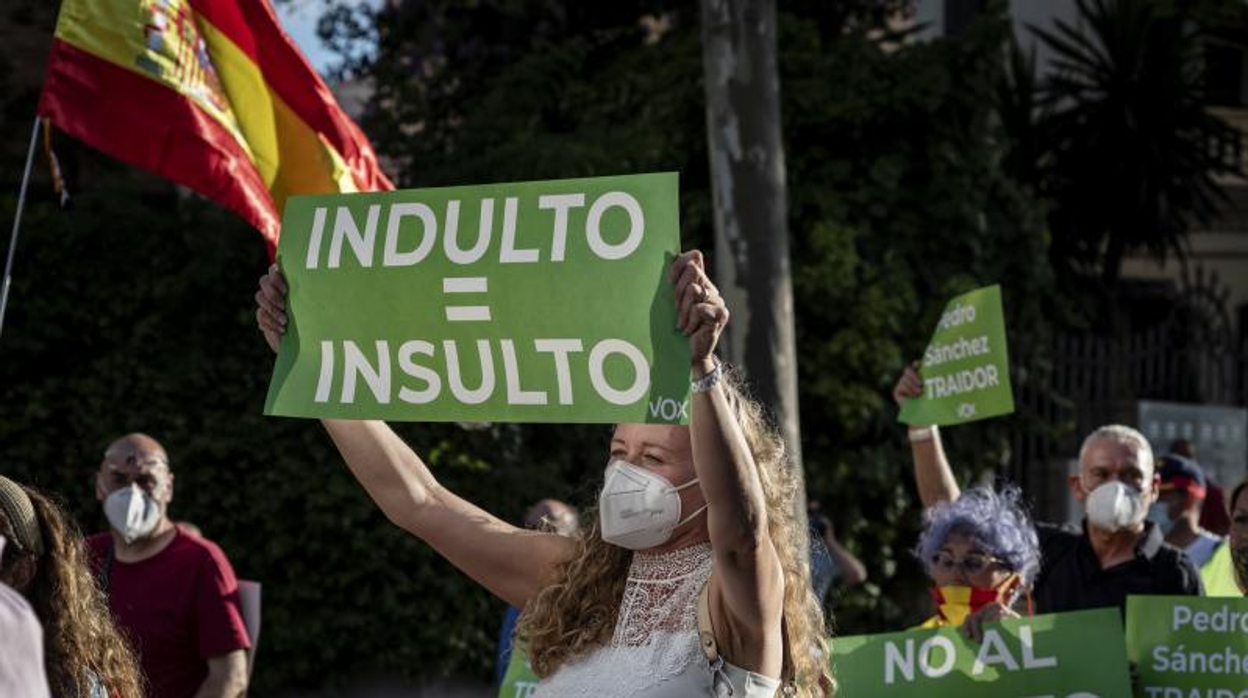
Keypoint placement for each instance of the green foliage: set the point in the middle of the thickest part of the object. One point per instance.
(899, 201)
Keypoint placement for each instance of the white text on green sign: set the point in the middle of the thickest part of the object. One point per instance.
(538, 301)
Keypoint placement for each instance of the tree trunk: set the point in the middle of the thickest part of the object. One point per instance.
(752, 267)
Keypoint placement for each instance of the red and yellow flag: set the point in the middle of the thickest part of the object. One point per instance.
(211, 94)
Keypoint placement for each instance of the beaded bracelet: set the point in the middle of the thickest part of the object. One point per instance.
(710, 380)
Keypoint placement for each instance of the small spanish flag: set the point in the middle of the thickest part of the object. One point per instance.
(211, 94)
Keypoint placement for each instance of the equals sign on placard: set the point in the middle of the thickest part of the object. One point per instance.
(466, 313)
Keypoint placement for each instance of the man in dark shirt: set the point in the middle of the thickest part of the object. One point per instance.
(1072, 576)
(1116, 551)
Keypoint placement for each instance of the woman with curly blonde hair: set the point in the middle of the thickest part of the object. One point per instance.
(46, 561)
(690, 579)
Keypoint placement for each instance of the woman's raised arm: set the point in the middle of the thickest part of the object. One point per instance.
(747, 588)
(932, 472)
(511, 562)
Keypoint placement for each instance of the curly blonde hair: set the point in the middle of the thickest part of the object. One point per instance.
(576, 612)
(78, 631)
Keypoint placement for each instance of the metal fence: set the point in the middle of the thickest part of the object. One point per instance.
(1085, 381)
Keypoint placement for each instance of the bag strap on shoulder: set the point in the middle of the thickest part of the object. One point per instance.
(706, 633)
(710, 648)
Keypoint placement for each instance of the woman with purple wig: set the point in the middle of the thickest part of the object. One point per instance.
(982, 555)
(980, 551)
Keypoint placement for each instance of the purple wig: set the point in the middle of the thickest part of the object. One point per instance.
(997, 522)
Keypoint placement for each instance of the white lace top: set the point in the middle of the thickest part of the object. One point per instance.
(654, 651)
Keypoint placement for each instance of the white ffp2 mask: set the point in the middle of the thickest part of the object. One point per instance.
(639, 509)
(1114, 506)
(132, 512)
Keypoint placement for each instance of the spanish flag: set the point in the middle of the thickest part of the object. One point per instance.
(211, 94)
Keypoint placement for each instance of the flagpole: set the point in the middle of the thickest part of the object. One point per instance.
(17, 223)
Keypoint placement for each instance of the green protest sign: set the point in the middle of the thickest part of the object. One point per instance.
(1065, 655)
(1189, 647)
(531, 302)
(519, 681)
(966, 367)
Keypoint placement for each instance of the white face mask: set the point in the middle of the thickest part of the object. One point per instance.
(639, 509)
(132, 512)
(1115, 507)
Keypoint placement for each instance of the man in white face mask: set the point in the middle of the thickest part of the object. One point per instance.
(174, 593)
(1116, 551)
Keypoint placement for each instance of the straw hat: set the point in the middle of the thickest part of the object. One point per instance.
(19, 510)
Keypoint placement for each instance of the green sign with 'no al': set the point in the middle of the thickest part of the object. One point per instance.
(531, 302)
(1189, 647)
(1065, 655)
(966, 366)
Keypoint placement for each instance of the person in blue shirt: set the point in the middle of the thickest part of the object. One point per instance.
(547, 515)
(831, 564)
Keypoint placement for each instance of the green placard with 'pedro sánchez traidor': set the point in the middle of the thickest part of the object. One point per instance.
(966, 366)
(1189, 647)
(528, 302)
(1064, 655)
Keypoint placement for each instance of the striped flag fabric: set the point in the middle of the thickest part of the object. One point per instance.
(211, 94)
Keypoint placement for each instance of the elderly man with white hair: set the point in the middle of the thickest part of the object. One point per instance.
(1115, 552)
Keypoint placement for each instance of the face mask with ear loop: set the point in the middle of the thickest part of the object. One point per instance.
(132, 512)
(1115, 507)
(956, 603)
(1159, 513)
(638, 509)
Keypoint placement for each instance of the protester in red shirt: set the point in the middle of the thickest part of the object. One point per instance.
(174, 594)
